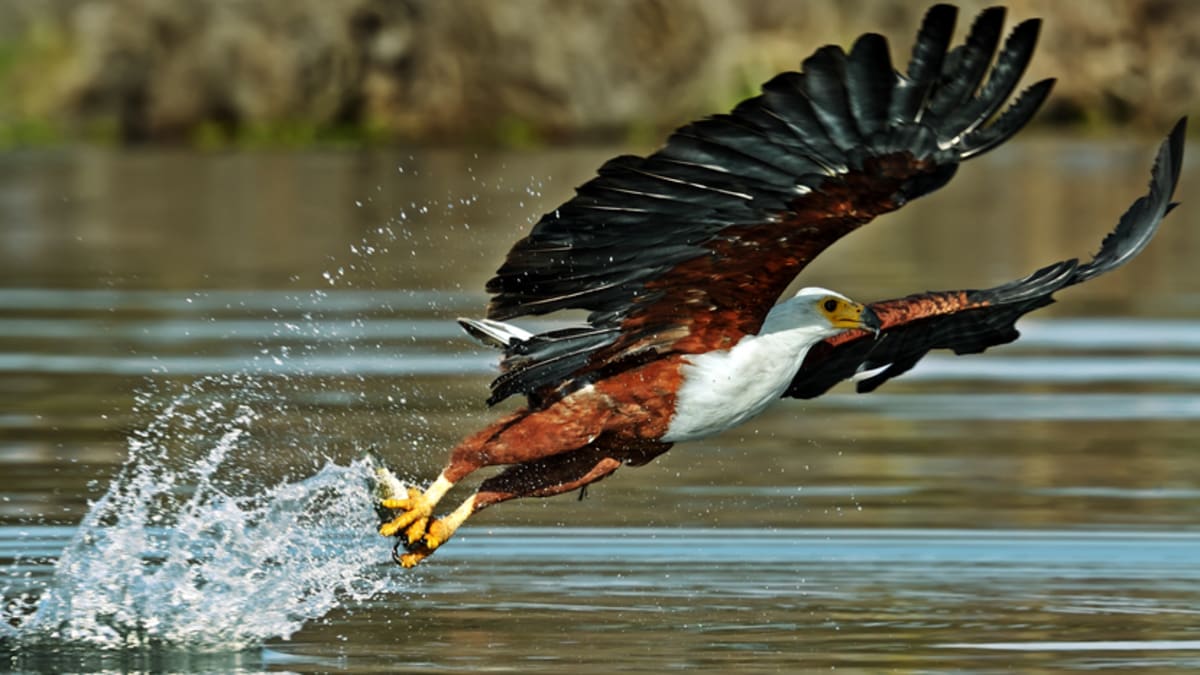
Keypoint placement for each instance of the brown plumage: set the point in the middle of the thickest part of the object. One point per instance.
(679, 259)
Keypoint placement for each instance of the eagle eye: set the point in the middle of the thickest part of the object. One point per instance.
(830, 305)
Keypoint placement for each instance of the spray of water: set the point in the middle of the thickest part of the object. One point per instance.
(186, 554)
(190, 547)
(198, 544)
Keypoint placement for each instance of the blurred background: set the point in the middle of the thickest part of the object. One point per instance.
(294, 72)
(235, 235)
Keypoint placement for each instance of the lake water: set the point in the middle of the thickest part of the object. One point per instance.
(197, 351)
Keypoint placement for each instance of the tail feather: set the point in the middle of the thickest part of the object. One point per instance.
(547, 360)
(495, 334)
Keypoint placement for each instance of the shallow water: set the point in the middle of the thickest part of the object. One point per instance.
(197, 351)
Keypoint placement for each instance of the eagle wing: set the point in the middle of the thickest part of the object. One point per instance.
(687, 249)
(970, 321)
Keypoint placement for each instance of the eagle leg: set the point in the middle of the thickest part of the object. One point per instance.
(522, 437)
(541, 478)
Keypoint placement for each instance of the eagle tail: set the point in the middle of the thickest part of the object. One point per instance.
(495, 334)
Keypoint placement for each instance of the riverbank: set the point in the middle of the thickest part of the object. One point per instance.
(521, 73)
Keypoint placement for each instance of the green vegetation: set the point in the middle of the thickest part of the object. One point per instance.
(25, 65)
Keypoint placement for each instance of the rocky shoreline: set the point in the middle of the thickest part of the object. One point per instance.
(517, 72)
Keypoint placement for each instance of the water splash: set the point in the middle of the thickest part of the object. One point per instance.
(198, 544)
(197, 553)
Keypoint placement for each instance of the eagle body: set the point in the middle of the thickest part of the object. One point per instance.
(723, 388)
(679, 259)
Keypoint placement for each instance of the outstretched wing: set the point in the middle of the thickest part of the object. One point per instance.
(971, 321)
(688, 248)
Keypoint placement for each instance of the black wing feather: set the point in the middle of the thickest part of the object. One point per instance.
(975, 320)
(1140, 222)
(970, 63)
(783, 97)
(869, 83)
(825, 86)
(812, 118)
(722, 217)
(968, 322)
(925, 66)
(1002, 82)
(1012, 120)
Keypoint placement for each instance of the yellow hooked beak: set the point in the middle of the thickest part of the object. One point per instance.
(850, 315)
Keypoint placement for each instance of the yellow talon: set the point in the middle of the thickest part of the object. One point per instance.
(407, 513)
(410, 560)
(414, 516)
(437, 534)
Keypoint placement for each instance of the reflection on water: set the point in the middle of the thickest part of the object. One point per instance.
(1032, 508)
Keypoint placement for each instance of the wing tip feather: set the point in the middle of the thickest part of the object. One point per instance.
(1138, 225)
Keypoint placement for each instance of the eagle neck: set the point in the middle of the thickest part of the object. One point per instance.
(722, 389)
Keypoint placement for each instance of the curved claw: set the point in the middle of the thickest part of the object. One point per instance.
(412, 554)
(438, 533)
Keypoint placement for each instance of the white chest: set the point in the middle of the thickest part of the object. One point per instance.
(721, 390)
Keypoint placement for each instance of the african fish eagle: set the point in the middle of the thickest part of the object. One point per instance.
(679, 258)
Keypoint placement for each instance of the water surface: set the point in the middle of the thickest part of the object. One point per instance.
(223, 337)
